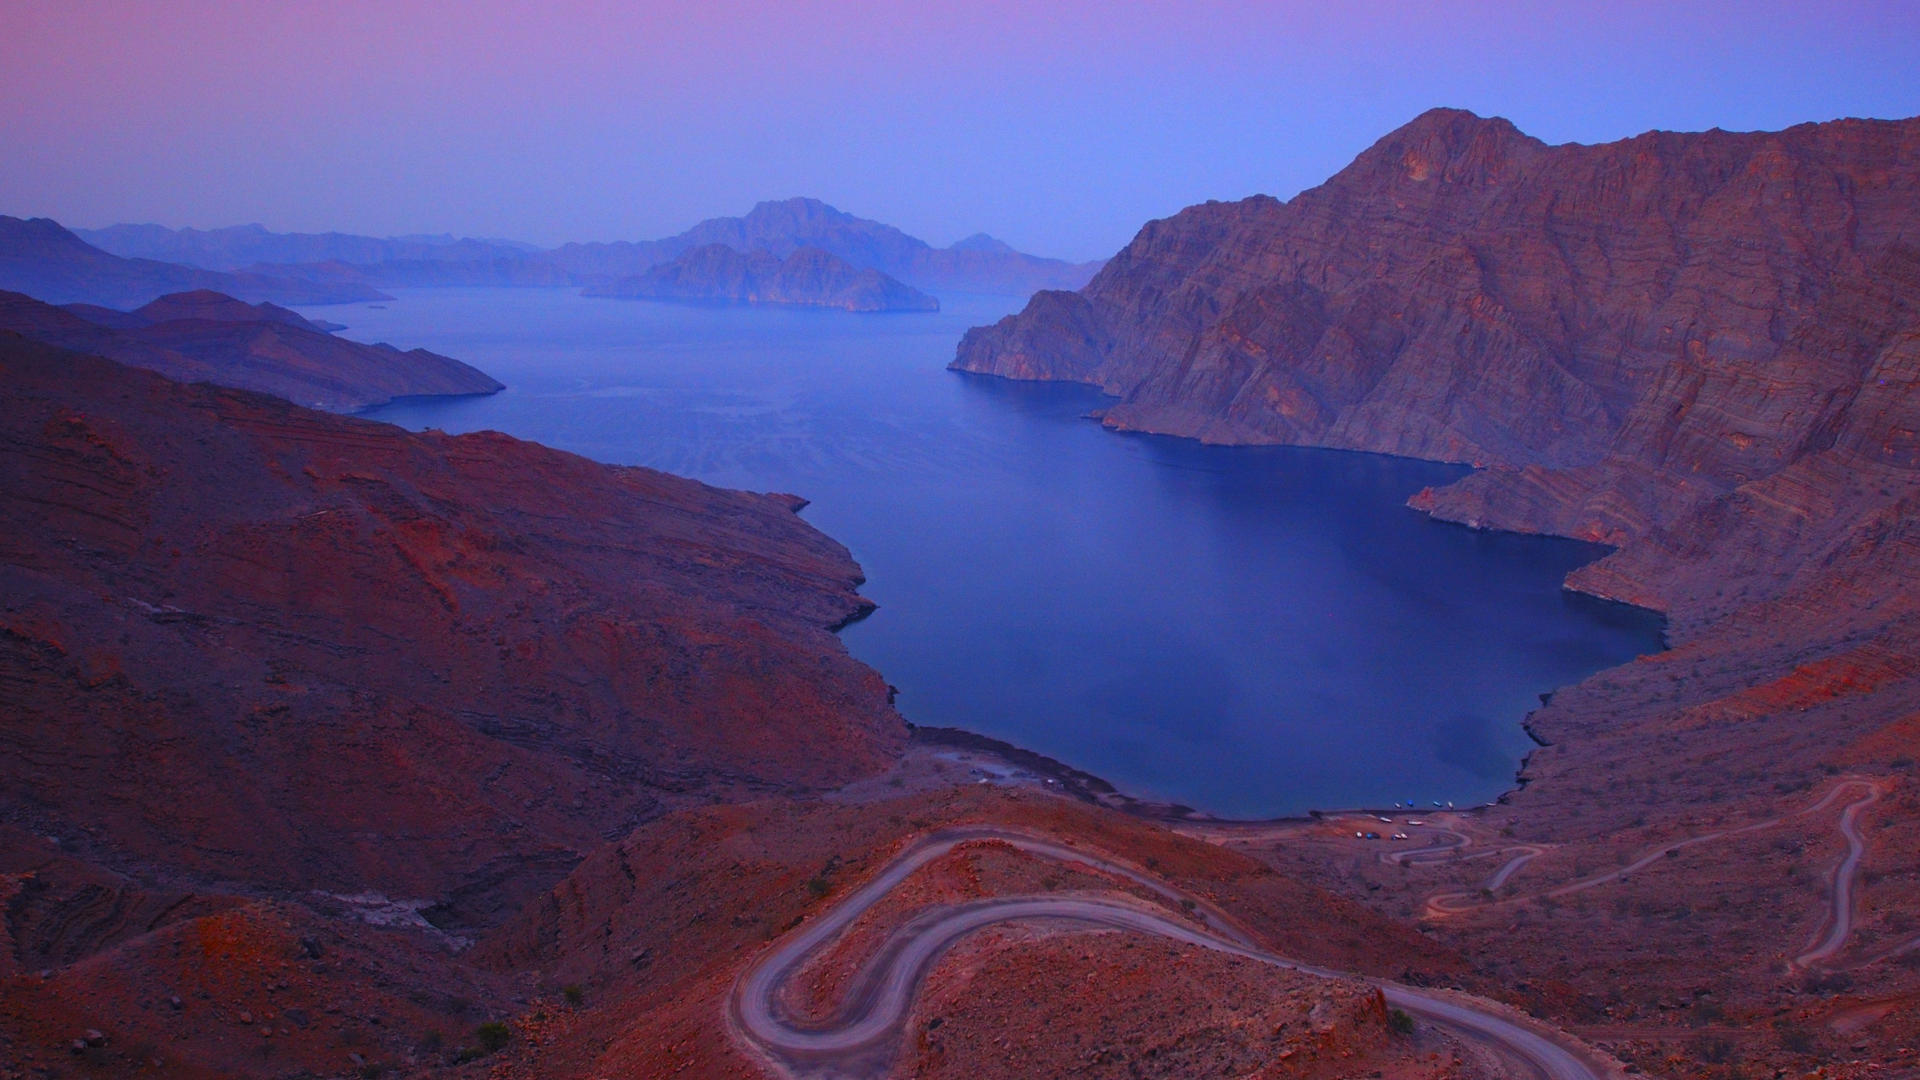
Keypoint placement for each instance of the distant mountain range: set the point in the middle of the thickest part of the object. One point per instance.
(241, 246)
(41, 258)
(977, 264)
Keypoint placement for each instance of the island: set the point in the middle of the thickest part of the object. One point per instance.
(809, 277)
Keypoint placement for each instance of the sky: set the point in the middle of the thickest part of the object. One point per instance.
(1058, 127)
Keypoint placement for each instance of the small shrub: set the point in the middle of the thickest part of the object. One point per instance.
(1399, 1022)
(492, 1036)
(818, 886)
(572, 994)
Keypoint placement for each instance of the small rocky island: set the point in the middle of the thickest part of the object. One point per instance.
(810, 277)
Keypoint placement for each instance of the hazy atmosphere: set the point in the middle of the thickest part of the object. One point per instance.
(959, 541)
(599, 121)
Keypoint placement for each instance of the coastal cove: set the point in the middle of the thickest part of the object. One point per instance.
(1250, 631)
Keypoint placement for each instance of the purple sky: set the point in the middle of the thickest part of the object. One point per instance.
(1057, 127)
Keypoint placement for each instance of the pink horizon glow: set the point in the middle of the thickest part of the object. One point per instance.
(1059, 127)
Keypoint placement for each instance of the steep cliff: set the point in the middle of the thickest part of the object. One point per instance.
(1643, 324)
(249, 645)
(207, 336)
(808, 277)
(1702, 348)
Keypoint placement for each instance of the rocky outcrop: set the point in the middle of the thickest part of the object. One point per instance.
(247, 645)
(210, 337)
(42, 259)
(1702, 348)
(807, 278)
(1619, 331)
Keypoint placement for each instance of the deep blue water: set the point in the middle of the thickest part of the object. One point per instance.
(1251, 631)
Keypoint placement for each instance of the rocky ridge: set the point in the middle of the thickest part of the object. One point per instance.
(434, 668)
(1700, 348)
(205, 336)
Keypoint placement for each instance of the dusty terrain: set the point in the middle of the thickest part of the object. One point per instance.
(297, 670)
(390, 752)
(657, 929)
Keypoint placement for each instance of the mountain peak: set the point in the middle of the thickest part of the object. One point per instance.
(982, 242)
(799, 208)
(1444, 143)
(1456, 128)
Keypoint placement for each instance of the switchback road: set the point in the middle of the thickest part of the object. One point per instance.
(861, 1038)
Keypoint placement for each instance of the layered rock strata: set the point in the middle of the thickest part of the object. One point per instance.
(1701, 348)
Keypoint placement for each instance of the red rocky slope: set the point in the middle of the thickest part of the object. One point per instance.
(206, 336)
(242, 642)
(1703, 308)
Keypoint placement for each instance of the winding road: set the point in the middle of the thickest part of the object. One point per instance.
(1827, 941)
(862, 1036)
(1840, 920)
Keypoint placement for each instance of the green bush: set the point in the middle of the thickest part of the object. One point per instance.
(492, 1036)
(1399, 1022)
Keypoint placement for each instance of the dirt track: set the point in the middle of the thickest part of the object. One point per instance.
(860, 1040)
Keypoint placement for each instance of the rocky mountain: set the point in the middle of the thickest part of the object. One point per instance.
(343, 261)
(342, 748)
(42, 259)
(1643, 325)
(808, 277)
(207, 336)
(788, 225)
(348, 262)
(1703, 348)
(428, 666)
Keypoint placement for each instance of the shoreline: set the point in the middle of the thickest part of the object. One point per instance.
(1086, 787)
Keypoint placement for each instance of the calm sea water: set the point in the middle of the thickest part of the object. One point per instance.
(1251, 631)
